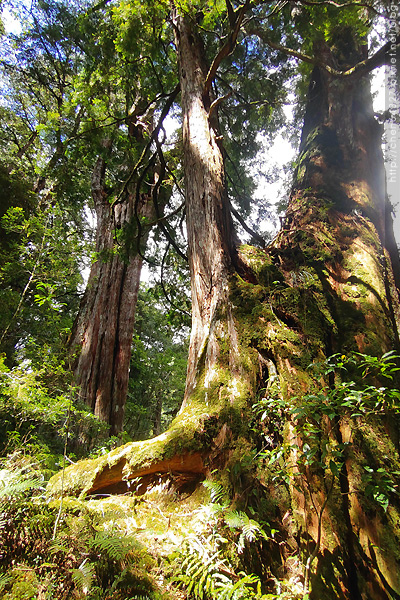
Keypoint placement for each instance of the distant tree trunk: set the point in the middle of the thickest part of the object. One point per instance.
(102, 335)
(157, 415)
(211, 237)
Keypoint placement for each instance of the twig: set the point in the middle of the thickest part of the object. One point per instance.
(250, 231)
(63, 468)
(365, 66)
(163, 286)
(217, 102)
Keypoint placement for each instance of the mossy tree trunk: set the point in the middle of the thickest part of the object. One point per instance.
(332, 276)
(211, 237)
(102, 335)
(337, 229)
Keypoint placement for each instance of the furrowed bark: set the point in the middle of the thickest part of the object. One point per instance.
(327, 284)
(102, 335)
(338, 236)
(211, 238)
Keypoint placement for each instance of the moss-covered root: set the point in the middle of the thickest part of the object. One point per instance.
(178, 450)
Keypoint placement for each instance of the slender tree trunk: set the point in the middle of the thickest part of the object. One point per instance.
(157, 415)
(211, 237)
(102, 334)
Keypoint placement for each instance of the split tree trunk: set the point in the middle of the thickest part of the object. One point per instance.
(102, 335)
(327, 284)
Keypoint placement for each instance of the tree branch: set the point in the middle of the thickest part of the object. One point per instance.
(376, 60)
(345, 5)
(250, 231)
(152, 139)
(163, 286)
(163, 225)
(217, 102)
(230, 44)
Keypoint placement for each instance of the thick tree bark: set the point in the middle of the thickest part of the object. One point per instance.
(102, 335)
(338, 266)
(338, 220)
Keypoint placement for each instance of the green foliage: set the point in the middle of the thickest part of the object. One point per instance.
(207, 576)
(218, 493)
(158, 366)
(36, 414)
(204, 566)
(249, 529)
(39, 279)
(358, 386)
(84, 559)
(245, 529)
(380, 485)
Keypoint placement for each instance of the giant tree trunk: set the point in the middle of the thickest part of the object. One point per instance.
(337, 266)
(102, 335)
(219, 380)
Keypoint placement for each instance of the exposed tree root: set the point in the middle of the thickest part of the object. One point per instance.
(181, 452)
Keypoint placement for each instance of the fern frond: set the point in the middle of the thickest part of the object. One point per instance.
(15, 487)
(83, 576)
(234, 519)
(59, 545)
(115, 547)
(251, 530)
(3, 520)
(5, 579)
(240, 590)
(218, 493)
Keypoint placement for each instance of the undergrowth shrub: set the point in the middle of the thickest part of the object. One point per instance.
(36, 417)
(211, 564)
(82, 559)
(358, 390)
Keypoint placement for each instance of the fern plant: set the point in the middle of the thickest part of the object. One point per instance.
(84, 576)
(250, 530)
(5, 580)
(113, 545)
(208, 576)
(197, 572)
(84, 558)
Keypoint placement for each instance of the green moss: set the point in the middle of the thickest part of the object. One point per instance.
(25, 585)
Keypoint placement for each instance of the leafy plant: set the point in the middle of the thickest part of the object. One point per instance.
(249, 529)
(36, 412)
(379, 485)
(90, 561)
(208, 576)
(203, 565)
(357, 386)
